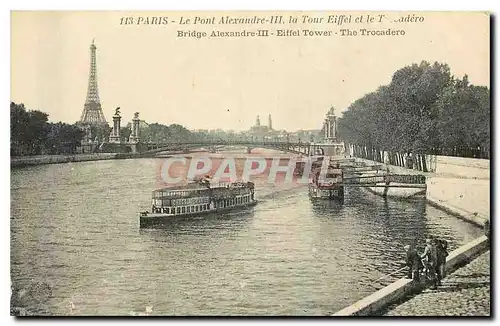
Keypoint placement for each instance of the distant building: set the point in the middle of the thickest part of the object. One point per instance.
(260, 131)
(311, 135)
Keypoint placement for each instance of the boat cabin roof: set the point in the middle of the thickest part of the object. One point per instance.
(195, 186)
(188, 187)
(330, 170)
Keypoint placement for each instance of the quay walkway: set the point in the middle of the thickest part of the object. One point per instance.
(469, 197)
(465, 292)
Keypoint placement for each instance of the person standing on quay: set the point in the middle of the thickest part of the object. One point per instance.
(430, 256)
(413, 262)
(442, 253)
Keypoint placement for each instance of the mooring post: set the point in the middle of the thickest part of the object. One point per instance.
(386, 189)
(387, 182)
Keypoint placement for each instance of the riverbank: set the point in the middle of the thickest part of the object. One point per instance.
(463, 191)
(465, 292)
(398, 292)
(54, 159)
(17, 162)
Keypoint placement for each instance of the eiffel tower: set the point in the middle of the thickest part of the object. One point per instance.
(92, 112)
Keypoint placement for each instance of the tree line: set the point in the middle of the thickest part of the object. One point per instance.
(156, 132)
(32, 134)
(423, 111)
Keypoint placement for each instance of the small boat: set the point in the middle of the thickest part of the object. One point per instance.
(197, 198)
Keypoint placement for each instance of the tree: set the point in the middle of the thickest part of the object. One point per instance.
(100, 132)
(63, 138)
(19, 119)
(155, 132)
(28, 130)
(125, 133)
(414, 91)
(464, 119)
(179, 133)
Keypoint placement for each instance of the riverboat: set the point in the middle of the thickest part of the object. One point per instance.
(331, 187)
(197, 198)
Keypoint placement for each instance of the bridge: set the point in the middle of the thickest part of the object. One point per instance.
(136, 145)
(298, 147)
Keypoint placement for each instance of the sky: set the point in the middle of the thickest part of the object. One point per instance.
(224, 83)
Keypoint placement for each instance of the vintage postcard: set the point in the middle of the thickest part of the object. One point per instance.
(239, 163)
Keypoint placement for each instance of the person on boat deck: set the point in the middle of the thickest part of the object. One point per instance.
(413, 262)
(205, 180)
(316, 177)
(442, 253)
(429, 257)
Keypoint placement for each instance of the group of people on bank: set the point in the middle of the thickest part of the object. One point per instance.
(430, 263)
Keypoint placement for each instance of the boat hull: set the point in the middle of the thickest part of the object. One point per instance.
(398, 192)
(334, 193)
(152, 219)
(393, 189)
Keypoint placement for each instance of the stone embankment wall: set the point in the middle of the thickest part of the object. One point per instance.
(53, 159)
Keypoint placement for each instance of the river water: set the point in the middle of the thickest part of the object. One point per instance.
(75, 228)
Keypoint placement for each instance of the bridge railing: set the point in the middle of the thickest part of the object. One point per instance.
(231, 142)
